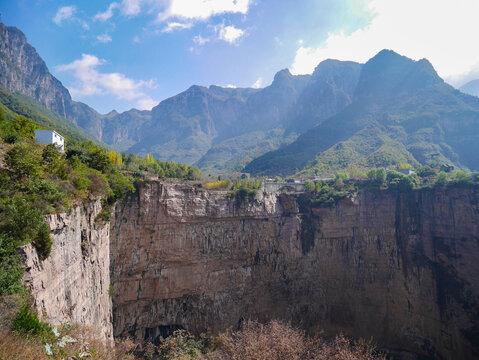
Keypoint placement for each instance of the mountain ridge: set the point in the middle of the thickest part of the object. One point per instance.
(185, 127)
(406, 103)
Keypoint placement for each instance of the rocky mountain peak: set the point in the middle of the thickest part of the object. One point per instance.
(390, 74)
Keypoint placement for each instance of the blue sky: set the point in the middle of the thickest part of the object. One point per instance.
(134, 53)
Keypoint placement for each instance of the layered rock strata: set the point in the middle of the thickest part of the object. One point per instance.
(401, 268)
(72, 284)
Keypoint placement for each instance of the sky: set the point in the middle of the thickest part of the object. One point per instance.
(117, 55)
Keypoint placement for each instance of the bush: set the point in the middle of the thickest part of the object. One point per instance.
(182, 345)
(401, 182)
(426, 171)
(441, 179)
(377, 176)
(243, 196)
(222, 184)
(23, 160)
(12, 138)
(11, 273)
(27, 322)
(43, 242)
(279, 341)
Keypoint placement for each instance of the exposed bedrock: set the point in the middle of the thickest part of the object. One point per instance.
(401, 268)
(72, 284)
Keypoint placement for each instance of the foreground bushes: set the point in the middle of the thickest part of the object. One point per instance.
(279, 341)
(255, 341)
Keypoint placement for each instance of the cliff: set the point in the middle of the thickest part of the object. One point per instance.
(398, 267)
(23, 70)
(72, 284)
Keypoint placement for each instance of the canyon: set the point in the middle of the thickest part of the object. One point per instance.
(396, 266)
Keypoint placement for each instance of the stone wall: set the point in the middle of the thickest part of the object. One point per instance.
(398, 267)
(72, 284)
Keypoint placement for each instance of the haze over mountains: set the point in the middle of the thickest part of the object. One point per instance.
(390, 110)
(471, 88)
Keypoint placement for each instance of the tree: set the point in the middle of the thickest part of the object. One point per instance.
(22, 126)
(309, 186)
(441, 178)
(23, 160)
(377, 176)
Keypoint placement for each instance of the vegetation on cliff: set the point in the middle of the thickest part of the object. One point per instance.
(36, 180)
(326, 192)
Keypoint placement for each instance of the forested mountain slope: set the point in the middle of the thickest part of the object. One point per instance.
(402, 111)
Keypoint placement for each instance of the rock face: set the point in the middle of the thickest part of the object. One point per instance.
(72, 284)
(399, 267)
(23, 70)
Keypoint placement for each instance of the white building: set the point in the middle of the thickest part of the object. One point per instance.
(50, 137)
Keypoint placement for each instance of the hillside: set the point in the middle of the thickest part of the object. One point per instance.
(219, 129)
(17, 104)
(402, 111)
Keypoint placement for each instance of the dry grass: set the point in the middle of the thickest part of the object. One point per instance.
(20, 347)
(24, 346)
(279, 341)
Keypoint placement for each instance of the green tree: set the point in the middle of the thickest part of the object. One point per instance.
(23, 160)
(441, 179)
(22, 126)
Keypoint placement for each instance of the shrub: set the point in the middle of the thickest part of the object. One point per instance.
(21, 126)
(43, 242)
(104, 215)
(279, 341)
(12, 138)
(222, 184)
(377, 176)
(182, 346)
(309, 186)
(23, 160)
(441, 179)
(27, 322)
(11, 272)
(426, 171)
(243, 196)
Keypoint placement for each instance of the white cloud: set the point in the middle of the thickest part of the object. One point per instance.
(64, 13)
(126, 7)
(442, 31)
(229, 33)
(131, 7)
(202, 9)
(199, 40)
(104, 38)
(136, 39)
(257, 84)
(230, 86)
(146, 103)
(173, 26)
(104, 16)
(92, 82)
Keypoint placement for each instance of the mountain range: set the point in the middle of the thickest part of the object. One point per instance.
(402, 111)
(219, 129)
(391, 109)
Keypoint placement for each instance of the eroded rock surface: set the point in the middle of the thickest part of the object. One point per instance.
(399, 267)
(72, 284)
